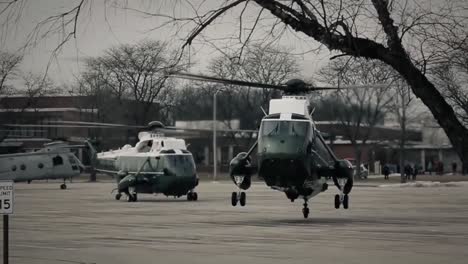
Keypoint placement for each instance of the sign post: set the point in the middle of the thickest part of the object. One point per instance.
(6, 208)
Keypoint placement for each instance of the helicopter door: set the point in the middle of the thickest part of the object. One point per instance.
(57, 166)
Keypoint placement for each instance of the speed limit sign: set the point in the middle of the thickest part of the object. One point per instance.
(6, 197)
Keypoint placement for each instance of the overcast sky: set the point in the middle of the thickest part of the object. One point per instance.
(102, 26)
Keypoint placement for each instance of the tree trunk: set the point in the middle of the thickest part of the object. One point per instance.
(440, 109)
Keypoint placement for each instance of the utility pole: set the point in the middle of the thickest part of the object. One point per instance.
(215, 156)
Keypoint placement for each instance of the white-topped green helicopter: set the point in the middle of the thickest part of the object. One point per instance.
(292, 156)
(156, 164)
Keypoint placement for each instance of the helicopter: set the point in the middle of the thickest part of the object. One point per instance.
(156, 164)
(54, 161)
(292, 155)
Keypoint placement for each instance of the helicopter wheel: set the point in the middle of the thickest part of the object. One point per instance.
(234, 199)
(345, 201)
(337, 201)
(242, 199)
(192, 196)
(118, 196)
(132, 197)
(63, 186)
(305, 212)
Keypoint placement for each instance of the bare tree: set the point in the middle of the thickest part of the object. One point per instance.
(359, 109)
(8, 68)
(452, 77)
(34, 87)
(94, 84)
(260, 64)
(136, 72)
(403, 107)
(37, 86)
(407, 35)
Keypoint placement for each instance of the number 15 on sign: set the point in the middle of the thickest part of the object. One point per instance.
(6, 197)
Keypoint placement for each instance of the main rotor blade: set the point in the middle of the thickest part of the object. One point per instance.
(211, 130)
(80, 123)
(57, 126)
(294, 86)
(197, 77)
(355, 86)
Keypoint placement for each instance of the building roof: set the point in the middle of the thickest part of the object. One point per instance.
(50, 109)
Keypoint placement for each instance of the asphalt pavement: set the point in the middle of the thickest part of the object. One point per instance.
(84, 224)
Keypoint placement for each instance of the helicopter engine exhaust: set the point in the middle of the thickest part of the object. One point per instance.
(241, 170)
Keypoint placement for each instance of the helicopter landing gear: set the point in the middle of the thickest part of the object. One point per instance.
(342, 198)
(132, 195)
(192, 196)
(305, 210)
(118, 196)
(240, 197)
(63, 186)
(337, 201)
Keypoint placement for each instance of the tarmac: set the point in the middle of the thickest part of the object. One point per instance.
(84, 224)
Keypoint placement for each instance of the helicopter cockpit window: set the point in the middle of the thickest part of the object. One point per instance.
(146, 146)
(298, 128)
(178, 165)
(57, 160)
(270, 128)
(285, 128)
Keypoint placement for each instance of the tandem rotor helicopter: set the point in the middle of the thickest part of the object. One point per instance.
(54, 161)
(292, 156)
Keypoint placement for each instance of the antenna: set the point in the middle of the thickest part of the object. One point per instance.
(263, 110)
(312, 112)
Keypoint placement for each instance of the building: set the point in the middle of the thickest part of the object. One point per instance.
(379, 145)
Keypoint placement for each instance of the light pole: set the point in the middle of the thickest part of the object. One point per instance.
(215, 157)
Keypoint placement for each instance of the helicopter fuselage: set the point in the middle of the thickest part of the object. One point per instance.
(292, 156)
(48, 163)
(154, 165)
(286, 161)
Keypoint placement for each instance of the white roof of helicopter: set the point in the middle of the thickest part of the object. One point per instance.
(289, 104)
(149, 144)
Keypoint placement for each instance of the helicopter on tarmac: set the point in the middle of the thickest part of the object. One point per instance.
(292, 155)
(54, 161)
(156, 164)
